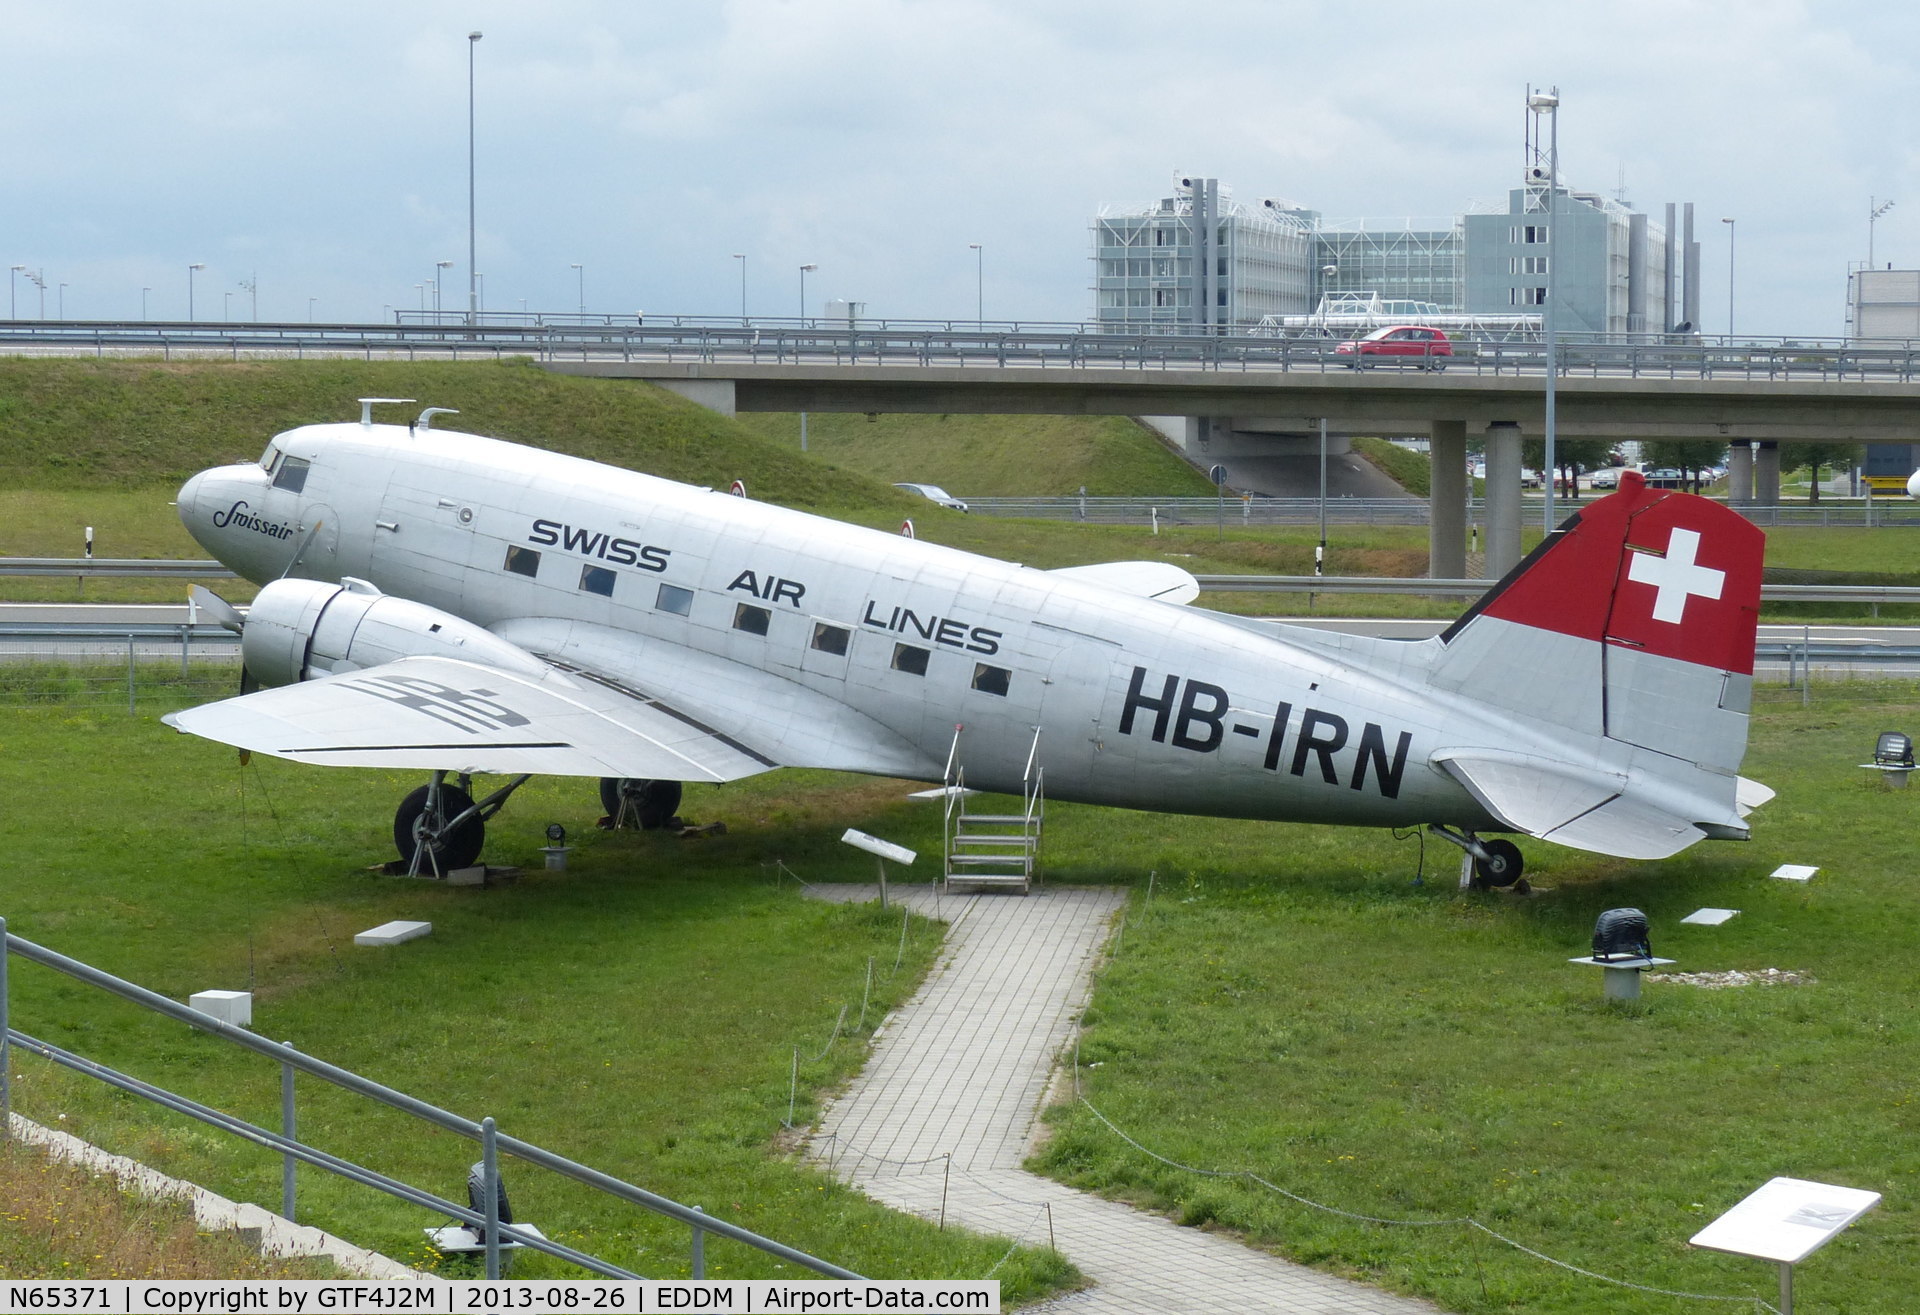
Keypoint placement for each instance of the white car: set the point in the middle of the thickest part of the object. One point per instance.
(934, 493)
(1607, 477)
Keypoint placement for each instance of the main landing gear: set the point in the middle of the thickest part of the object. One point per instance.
(636, 802)
(1496, 863)
(440, 829)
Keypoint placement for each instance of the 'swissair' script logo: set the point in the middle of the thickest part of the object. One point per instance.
(238, 514)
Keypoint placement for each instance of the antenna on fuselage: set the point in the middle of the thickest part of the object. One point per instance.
(367, 404)
(425, 422)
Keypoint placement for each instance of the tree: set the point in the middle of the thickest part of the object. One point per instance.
(1812, 457)
(1694, 456)
(1573, 456)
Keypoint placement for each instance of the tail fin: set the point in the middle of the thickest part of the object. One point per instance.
(1633, 622)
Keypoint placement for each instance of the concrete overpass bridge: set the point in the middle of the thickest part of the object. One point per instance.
(1236, 396)
(1253, 411)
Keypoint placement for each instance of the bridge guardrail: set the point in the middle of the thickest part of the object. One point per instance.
(687, 339)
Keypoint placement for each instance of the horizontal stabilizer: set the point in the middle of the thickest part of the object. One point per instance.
(443, 714)
(1597, 811)
(1160, 580)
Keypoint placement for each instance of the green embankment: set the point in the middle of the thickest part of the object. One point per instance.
(995, 456)
(93, 425)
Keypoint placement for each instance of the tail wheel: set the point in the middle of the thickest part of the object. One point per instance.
(1502, 865)
(426, 843)
(652, 804)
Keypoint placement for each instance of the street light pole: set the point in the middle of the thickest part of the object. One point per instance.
(12, 312)
(804, 271)
(741, 256)
(1548, 103)
(1873, 217)
(581, 272)
(1731, 230)
(190, 273)
(310, 301)
(143, 303)
(473, 261)
(979, 284)
(61, 302)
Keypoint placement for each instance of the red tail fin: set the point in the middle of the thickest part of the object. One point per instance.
(1634, 620)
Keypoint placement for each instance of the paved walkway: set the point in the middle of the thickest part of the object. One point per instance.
(961, 1071)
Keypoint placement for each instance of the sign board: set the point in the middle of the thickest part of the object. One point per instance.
(875, 845)
(1218, 474)
(1786, 1220)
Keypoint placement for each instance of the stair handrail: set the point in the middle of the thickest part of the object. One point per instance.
(955, 781)
(1034, 786)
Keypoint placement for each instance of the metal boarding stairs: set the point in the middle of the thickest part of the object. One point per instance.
(996, 850)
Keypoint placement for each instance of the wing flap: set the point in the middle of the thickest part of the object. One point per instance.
(448, 715)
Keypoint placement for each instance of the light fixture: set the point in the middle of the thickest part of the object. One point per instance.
(1621, 934)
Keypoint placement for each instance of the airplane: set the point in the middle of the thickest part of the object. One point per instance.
(459, 604)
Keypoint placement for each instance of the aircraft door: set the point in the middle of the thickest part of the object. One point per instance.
(1073, 728)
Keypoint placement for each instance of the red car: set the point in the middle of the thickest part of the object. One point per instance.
(1427, 346)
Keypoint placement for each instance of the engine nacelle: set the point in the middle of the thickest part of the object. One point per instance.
(301, 629)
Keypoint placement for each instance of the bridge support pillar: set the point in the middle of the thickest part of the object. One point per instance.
(1447, 542)
(1739, 474)
(1503, 499)
(714, 394)
(1766, 475)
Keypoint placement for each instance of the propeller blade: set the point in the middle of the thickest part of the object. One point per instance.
(219, 609)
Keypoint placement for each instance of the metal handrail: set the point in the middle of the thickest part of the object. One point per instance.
(482, 1132)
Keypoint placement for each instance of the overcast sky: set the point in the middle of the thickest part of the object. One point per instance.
(323, 147)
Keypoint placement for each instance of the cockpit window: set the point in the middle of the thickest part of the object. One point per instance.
(292, 475)
(269, 457)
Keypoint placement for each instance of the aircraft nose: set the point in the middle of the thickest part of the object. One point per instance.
(187, 501)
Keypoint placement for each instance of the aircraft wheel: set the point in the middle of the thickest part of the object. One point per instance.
(1502, 865)
(653, 802)
(445, 850)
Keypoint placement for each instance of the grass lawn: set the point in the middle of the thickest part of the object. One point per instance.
(639, 1011)
(1293, 1004)
(64, 1223)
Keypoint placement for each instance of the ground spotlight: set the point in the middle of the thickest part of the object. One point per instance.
(1621, 934)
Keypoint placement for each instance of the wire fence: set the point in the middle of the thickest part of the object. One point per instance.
(1462, 1221)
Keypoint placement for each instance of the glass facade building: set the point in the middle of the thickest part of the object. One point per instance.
(1196, 261)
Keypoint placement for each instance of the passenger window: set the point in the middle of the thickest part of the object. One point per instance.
(292, 475)
(597, 580)
(909, 659)
(830, 639)
(673, 598)
(991, 680)
(751, 619)
(523, 561)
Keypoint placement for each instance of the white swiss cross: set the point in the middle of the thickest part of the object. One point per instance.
(1676, 576)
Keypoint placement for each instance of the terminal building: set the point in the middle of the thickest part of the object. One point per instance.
(1198, 260)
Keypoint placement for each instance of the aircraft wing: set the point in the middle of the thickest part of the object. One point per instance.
(1605, 812)
(1161, 580)
(445, 714)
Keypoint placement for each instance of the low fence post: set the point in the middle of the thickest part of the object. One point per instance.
(699, 1248)
(6, 1050)
(490, 1186)
(289, 1130)
(130, 675)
